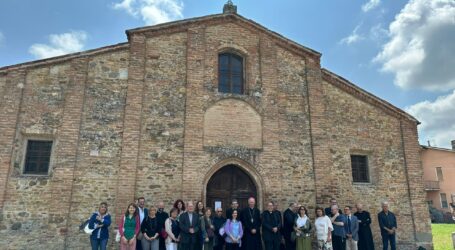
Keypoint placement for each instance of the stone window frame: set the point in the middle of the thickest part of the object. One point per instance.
(369, 155)
(235, 50)
(26, 139)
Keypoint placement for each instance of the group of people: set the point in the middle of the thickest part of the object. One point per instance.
(192, 226)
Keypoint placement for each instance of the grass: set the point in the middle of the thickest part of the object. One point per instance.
(442, 236)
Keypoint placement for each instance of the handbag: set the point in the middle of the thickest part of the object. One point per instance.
(221, 231)
(163, 234)
(117, 236)
(293, 236)
(83, 224)
(88, 230)
(210, 233)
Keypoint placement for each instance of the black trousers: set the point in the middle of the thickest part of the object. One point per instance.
(220, 243)
(162, 243)
(338, 242)
(232, 246)
(290, 245)
(138, 245)
(187, 246)
(272, 244)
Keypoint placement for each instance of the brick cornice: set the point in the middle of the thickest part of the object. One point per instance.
(364, 95)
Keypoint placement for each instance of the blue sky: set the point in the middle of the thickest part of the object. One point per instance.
(401, 50)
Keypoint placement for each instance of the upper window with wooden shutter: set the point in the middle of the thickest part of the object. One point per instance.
(230, 73)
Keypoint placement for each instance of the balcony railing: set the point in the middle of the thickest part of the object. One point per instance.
(432, 185)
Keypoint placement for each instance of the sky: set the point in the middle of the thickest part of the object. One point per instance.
(402, 51)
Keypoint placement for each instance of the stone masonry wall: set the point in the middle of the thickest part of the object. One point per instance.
(79, 105)
(356, 127)
(26, 208)
(130, 122)
(163, 119)
(100, 140)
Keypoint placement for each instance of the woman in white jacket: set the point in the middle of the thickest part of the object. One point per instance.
(324, 230)
(171, 226)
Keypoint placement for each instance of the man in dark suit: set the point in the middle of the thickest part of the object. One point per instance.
(234, 206)
(328, 210)
(251, 221)
(271, 224)
(143, 213)
(388, 224)
(351, 228)
(189, 228)
(289, 217)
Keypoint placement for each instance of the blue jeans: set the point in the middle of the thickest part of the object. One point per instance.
(385, 241)
(98, 244)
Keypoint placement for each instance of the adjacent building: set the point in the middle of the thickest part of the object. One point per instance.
(209, 108)
(439, 175)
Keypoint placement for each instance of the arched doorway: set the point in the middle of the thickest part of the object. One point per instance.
(229, 182)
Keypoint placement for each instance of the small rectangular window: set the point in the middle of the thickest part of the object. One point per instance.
(439, 174)
(444, 203)
(37, 157)
(359, 165)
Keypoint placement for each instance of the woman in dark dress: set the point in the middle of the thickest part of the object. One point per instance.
(365, 235)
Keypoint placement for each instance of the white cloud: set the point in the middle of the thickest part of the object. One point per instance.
(2, 38)
(153, 11)
(60, 44)
(421, 46)
(371, 4)
(438, 119)
(353, 37)
(127, 6)
(378, 34)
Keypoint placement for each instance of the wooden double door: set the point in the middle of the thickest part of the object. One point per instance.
(228, 183)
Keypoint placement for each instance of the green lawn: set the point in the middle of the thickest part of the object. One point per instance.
(442, 236)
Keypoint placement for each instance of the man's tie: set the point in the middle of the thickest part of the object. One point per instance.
(349, 224)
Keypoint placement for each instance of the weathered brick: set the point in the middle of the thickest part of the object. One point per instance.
(146, 119)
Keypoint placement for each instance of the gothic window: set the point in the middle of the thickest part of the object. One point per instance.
(359, 164)
(230, 73)
(37, 157)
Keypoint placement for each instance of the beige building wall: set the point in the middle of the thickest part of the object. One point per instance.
(433, 158)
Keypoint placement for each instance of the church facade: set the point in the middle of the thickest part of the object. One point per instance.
(209, 108)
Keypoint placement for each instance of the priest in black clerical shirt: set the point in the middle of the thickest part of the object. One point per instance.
(365, 235)
(271, 224)
(251, 221)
